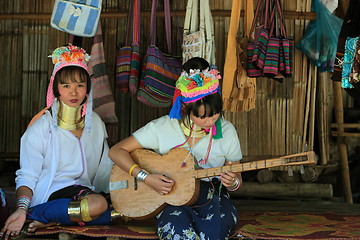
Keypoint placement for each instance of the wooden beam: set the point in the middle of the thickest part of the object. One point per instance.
(124, 14)
(345, 125)
(344, 134)
(9, 155)
(307, 190)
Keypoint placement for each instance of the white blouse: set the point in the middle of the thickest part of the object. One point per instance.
(52, 158)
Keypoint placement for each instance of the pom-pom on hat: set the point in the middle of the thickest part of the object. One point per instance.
(63, 57)
(193, 86)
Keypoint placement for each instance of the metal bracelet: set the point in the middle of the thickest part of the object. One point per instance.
(116, 217)
(235, 186)
(74, 211)
(142, 175)
(84, 210)
(23, 202)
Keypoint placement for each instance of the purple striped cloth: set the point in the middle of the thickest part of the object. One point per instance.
(103, 100)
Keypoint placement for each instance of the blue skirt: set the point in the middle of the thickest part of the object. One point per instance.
(212, 217)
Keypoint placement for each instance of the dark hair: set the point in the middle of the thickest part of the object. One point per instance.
(213, 103)
(75, 74)
(195, 63)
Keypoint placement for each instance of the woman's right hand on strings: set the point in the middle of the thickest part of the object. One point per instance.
(120, 155)
(160, 183)
(13, 224)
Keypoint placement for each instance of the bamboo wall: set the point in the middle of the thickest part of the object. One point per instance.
(283, 121)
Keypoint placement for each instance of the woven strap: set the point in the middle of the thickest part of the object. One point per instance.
(191, 17)
(277, 16)
(235, 19)
(129, 23)
(282, 19)
(153, 23)
(203, 13)
(249, 16)
(272, 20)
(167, 24)
(136, 21)
(209, 30)
(205, 25)
(231, 57)
(133, 23)
(260, 4)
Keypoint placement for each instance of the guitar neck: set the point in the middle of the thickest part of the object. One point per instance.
(290, 160)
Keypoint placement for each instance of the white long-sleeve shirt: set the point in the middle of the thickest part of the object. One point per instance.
(52, 158)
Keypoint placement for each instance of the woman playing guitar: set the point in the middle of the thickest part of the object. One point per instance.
(195, 122)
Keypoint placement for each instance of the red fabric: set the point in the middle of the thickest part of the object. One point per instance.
(131, 230)
(252, 225)
(298, 226)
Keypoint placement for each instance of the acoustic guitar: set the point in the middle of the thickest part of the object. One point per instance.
(135, 199)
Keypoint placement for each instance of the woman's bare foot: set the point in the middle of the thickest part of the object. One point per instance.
(35, 225)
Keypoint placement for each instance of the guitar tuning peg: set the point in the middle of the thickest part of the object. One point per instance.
(290, 171)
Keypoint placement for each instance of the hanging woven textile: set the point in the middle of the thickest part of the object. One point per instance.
(104, 103)
(238, 90)
(198, 36)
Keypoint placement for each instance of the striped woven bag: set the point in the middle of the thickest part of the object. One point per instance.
(160, 71)
(286, 46)
(262, 38)
(128, 59)
(277, 61)
(252, 68)
(271, 63)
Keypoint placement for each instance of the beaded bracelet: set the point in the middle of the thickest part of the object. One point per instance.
(23, 202)
(142, 175)
(132, 168)
(235, 186)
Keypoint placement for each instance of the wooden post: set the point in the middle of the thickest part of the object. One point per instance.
(339, 118)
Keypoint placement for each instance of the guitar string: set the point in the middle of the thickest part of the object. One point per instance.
(193, 132)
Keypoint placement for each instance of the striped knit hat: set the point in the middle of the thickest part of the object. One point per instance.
(193, 86)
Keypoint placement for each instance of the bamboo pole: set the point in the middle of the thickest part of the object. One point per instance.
(261, 98)
(268, 121)
(283, 124)
(302, 98)
(277, 123)
(339, 118)
(323, 118)
(312, 110)
(307, 108)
